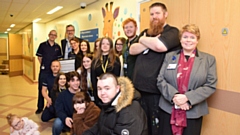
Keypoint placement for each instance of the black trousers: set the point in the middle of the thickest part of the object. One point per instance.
(41, 78)
(193, 125)
(48, 113)
(149, 103)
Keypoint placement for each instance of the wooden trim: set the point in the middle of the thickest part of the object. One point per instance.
(34, 69)
(28, 58)
(13, 57)
(15, 73)
(3, 54)
(226, 101)
(29, 80)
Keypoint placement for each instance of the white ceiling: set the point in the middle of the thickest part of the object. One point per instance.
(25, 11)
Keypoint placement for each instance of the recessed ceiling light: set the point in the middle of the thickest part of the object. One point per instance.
(36, 20)
(5, 32)
(54, 10)
(8, 29)
(12, 25)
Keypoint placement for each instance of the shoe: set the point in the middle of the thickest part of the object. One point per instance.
(38, 111)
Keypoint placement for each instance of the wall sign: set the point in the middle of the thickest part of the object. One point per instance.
(89, 35)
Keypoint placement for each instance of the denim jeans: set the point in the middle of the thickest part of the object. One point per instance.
(57, 127)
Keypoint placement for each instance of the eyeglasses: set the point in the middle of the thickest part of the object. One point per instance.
(53, 35)
(70, 30)
(119, 44)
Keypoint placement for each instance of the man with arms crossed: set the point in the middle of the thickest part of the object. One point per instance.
(151, 48)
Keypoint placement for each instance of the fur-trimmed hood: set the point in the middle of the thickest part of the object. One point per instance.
(127, 93)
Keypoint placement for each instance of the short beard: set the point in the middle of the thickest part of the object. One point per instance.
(132, 36)
(155, 29)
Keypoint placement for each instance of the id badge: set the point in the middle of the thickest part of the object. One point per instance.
(125, 65)
(171, 66)
(176, 106)
(145, 51)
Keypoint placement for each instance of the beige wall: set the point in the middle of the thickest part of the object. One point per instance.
(211, 17)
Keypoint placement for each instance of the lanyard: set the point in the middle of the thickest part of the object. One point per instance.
(104, 68)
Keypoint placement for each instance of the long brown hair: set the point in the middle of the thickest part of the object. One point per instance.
(56, 85)
(84, 72)
(123, 40)
(112, 56)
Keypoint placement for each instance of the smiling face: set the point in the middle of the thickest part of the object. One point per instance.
(130, 30)
(105, 46)
(74, 84)
(55, 67)
(52, 35)
(119, 45)
(84, 46)
(74, 44)
(107, 89)
(189, 42)
(62, 81)
(79, 107)
(87, 62)
(17, 123)
(70, 32)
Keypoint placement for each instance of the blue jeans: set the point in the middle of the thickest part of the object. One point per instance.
(58, 127)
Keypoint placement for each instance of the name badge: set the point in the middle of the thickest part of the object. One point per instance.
(125, 65)
(145, 51)
(172, 66)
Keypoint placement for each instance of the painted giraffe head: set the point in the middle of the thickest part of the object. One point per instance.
(109, 18)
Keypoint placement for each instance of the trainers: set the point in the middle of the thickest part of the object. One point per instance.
(38, 111)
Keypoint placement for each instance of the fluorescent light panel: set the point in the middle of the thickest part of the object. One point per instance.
(8, 29)
(36, 20)
(12, 25)
(54, 10)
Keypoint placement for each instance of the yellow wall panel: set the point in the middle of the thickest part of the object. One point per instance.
(220, 123)
(212, 16)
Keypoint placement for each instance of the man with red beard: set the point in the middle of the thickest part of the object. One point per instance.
(152, 45)
(130, 28)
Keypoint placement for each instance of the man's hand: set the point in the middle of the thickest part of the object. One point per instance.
(68, 122)
(49, 102)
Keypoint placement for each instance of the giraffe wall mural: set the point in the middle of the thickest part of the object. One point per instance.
(109, 18)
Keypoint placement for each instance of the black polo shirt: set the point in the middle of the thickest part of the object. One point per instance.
(128, 59)
(48, 82)
(148, 65)
(48, 53)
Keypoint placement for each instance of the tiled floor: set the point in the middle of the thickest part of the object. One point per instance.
(18, 96)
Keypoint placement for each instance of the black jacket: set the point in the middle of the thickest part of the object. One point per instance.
(125, 118)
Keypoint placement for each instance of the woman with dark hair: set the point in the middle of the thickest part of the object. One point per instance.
(60, 84)
(118, 50)
(84, 48)
(85, 114)
(85, 73)
(105, 61)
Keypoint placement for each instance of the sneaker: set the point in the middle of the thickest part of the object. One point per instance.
(38, 111)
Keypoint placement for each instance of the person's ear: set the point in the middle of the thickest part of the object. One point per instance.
(118, 88)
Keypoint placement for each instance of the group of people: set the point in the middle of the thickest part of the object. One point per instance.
(156, 83)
